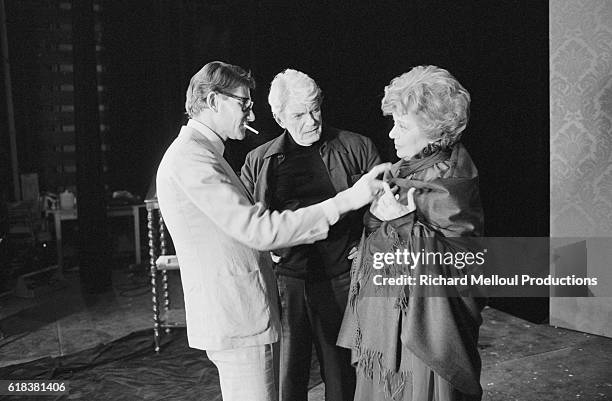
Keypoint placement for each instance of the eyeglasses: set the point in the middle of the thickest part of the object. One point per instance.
(245, 103)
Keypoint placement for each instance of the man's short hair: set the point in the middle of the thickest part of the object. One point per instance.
(214, 76)
(292, 84)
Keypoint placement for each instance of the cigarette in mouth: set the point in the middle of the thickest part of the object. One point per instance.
(253, 130)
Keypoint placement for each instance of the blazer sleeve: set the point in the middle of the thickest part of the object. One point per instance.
(207, 184)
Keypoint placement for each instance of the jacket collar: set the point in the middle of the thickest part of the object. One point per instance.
(329, 140)
(207, 133)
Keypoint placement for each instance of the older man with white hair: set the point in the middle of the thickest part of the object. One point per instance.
(308, 163)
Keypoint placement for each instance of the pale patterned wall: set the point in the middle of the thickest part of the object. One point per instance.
(580, 118)
(581, 149)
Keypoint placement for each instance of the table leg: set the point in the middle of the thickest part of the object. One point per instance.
(153, 271)
(57, 223)
(136, 213)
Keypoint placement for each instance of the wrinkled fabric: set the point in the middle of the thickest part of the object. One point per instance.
(388, 327)
(221, 238)
(128, 369)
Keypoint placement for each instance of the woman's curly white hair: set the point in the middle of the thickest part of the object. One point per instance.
(439, 101)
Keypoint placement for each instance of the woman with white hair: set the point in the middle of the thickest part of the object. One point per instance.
(408, 344)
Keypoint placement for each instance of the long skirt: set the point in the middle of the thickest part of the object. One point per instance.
(418, 383)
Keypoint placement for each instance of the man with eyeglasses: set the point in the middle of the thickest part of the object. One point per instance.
(309, 162)
(222, 236)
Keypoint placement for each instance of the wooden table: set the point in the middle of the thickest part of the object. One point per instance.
(60, 215)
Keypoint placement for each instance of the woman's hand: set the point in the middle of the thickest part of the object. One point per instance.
(388, 206)
(353, 253)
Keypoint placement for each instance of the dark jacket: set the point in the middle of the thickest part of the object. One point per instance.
(346, 155)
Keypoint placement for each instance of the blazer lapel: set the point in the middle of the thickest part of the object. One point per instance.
(235, 179)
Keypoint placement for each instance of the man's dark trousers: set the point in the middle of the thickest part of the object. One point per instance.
(312, 313)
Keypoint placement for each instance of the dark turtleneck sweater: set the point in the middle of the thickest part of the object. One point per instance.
(300, 180)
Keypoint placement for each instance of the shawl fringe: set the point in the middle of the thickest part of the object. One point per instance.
(392, 382)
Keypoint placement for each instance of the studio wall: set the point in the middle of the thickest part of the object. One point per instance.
(581, 149)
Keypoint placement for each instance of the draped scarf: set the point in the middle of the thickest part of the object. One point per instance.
(442, 331)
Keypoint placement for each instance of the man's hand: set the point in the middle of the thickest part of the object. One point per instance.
(363, 192)
(275, 257)
(388, 206)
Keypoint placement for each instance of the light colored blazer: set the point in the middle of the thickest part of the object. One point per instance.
(221, 239)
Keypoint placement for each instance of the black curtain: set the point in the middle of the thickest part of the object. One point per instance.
(93, 238)
(498, 50)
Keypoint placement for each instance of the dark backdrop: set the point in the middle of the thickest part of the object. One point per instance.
(497, 49)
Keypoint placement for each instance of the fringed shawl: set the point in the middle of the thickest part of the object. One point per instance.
(381, 322)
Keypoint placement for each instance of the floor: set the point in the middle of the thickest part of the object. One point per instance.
(64, 320)
(521, 360)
